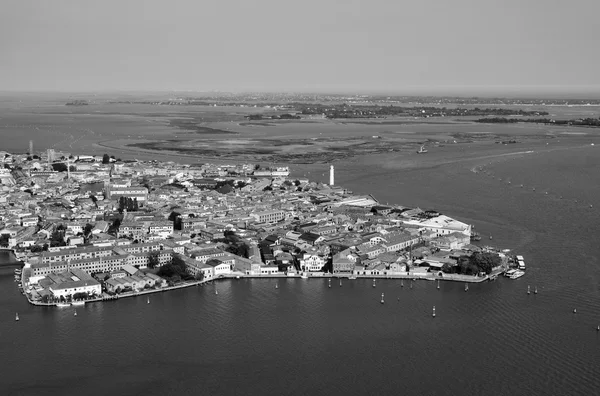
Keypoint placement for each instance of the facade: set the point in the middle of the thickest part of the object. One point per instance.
(269, 216)
(312, 263)
(112, 191)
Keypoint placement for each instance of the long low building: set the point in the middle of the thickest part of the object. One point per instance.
(69, 283)
(100, 264)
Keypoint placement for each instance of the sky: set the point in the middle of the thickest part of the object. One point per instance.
(427, 46)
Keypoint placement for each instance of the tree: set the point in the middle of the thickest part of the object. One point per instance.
(59, 167)
(153, 260)
(72, 168)
(485, 261)
(105, 159)
(87, 230)
(199, 276)
(36, 248)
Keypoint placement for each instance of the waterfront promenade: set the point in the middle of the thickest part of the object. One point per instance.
(429, 276)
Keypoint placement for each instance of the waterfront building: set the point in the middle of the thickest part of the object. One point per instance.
(68, 283)
(441, 225)
(342, 262)
(312, 262)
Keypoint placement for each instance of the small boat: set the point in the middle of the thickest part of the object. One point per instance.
(75, 313)
(382, 301)
(421, 150)
(330, 283)
(148, 301)
(517, 274)
(528, 290)
(373, 282)
(340, 282)
(535, 290)
(438, 285)
(277, 286)
(352, 277)
(17, 317)
(401, 283)
(466, 287)
(304, 275)
(433, 314)
(78, 303)
(63, 305)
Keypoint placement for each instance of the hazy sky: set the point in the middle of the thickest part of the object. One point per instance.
(310, 45)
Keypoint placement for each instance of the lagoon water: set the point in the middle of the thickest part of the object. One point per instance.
(304, 338)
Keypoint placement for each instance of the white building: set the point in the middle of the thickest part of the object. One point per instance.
(312, 262)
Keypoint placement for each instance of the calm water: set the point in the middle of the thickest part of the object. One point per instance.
(307, 339)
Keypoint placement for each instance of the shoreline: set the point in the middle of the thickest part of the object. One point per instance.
(237, 276)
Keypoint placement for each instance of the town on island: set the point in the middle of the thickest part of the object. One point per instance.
(95, 228)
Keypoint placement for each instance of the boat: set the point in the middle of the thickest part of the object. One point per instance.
(148, 301)
(304, 275)
(352, 277)
(78, 303)
(17, 317)
(517, 274)
(421, 150)
(63, 305)
(374, 283)
(510, 273)
(75, 313)
(17, 271)
(521, 262)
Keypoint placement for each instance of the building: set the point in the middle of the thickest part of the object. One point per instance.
(312, 262)
(342, 264)
(112, 191)
(269, 216)
(72, 282)
(441, 225)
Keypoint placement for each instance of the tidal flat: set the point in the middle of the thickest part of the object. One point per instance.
(192, 134)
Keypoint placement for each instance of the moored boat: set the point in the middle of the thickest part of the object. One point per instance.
(63, 305)
(77, 303)
(517, 274)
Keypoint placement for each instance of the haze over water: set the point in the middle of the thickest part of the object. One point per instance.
(304, 338)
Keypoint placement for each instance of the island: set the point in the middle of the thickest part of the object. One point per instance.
(103, 229)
